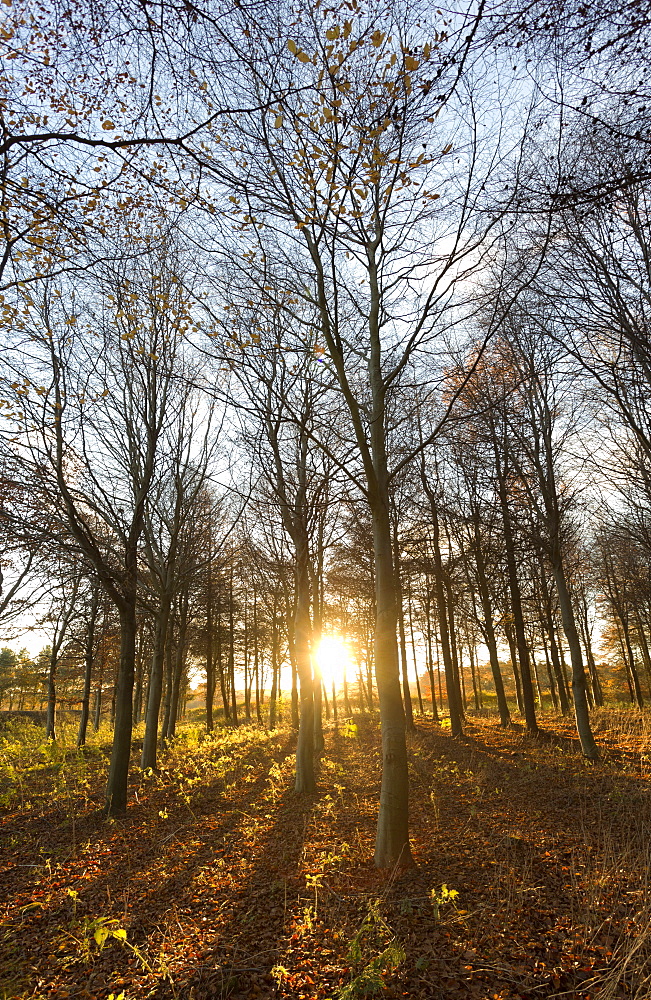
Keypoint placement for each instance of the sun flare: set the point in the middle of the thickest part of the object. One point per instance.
(333, 659)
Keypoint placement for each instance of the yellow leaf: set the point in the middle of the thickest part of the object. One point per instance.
(303, 57)
(332, 33)
(292, 46)
(447, 149)
(411, 63)
(278, 122)
(108, 126)
(377, 38)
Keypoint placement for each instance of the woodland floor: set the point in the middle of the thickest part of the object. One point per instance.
(227, 884)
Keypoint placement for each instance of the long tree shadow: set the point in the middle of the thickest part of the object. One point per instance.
(271, 894)
(533, 836)
(264, 881)
(160, 871)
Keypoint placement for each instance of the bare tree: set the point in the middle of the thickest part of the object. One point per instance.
(97, 405)
(340, 183)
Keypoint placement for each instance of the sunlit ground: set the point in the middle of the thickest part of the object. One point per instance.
(333, 659)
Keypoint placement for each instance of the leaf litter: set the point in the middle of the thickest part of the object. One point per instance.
(531, 876)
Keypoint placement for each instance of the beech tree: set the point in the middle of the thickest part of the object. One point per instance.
(543, 425)
(94, 413)
(341, 180)
(477, 521)
(174, 511)
(279, 396)
(63, 608)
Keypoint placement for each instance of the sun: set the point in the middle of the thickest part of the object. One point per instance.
(333, 659)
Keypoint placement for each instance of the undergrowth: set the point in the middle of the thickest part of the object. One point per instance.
(532, 878)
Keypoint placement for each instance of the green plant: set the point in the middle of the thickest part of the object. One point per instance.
(278, 973)
(101, 930)
(314, 881)
(368, 980)
(442, 897)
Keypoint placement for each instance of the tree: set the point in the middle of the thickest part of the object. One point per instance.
(174, 511)
(478, 524)
(279, 396)
(8, 665)
(93, 425)
(63, 607)
(333, 182)
(543, 427)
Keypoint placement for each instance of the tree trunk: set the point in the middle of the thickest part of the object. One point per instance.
(536, 677)
(274, 667)
(318, 688)
(454, 695)
(89, 658)
(305, 778)
(592, 666)
(179, 663)
(513, 654)
(550, 669)
(168, 673)
(348, 711)
(210, 665)
(406, 694)
(516, 608)
(476, 691)
(644, 646)
(561, 656)
(256, 657)
(430, 658)
(635, 677)
(97, 712)
(150, 741)
(221, 672)
(294, 695)
(231, 652)
(489, 632)
(369, 676)
(138, 686)
(248, 675)
(558, 671)
(116, 788)
(50, 731)
(413, 648)
(588, 745)
(392, 836)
